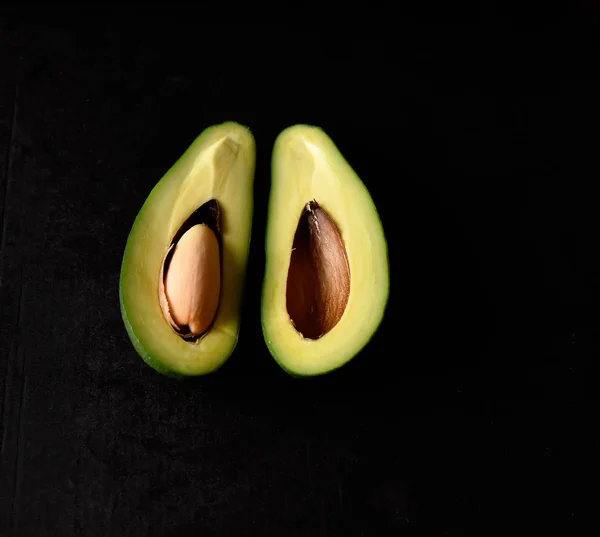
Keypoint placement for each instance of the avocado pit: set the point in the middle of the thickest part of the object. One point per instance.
(318, 282)
(190, 276)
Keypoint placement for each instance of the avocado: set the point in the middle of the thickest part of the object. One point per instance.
(326, 280)
(209, 188)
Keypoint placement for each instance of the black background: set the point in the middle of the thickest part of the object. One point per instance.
(473, 410)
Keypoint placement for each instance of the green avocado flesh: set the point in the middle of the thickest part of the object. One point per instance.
(213, 182)
(313, 185)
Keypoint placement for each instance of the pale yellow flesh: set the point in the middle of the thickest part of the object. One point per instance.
(307, 165)
(218, 165)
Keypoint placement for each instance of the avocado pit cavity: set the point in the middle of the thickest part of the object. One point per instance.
(318, 282)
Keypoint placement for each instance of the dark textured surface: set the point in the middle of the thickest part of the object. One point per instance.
(473, 410)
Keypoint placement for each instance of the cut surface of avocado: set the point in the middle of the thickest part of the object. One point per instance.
(210, 184)
(326, 281)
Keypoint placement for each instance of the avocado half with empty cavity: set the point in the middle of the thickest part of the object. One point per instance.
(183, 269)
(326, 280)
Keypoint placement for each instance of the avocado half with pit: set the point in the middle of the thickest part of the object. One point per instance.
(326, 282)
(183, 269)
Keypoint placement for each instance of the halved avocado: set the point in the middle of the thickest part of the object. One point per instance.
(210, 184)
(326, 282)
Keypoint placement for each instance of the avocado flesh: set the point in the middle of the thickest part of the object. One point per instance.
(306, 165)
(218, 165)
